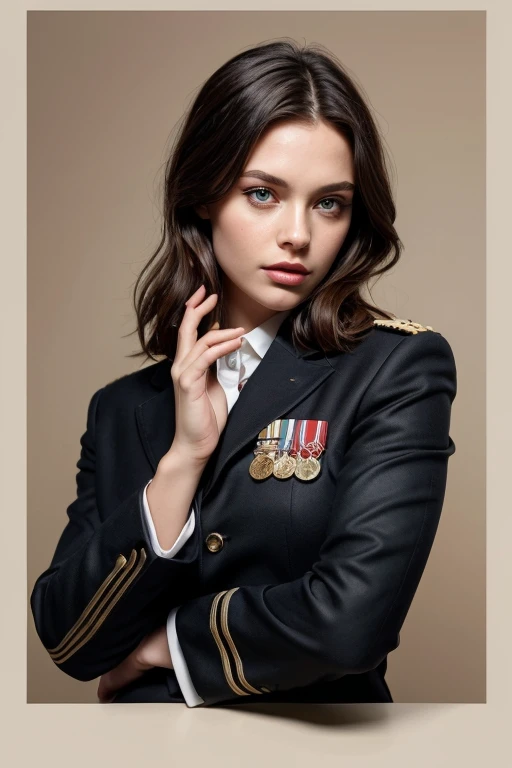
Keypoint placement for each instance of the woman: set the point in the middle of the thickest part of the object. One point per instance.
(254, 512)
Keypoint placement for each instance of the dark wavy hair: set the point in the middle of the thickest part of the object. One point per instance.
(271, 82)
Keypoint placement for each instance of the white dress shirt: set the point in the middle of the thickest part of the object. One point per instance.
(233, 370)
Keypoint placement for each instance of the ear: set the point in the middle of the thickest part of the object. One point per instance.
(202, 211)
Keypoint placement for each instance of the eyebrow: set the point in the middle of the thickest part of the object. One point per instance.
(345, 186)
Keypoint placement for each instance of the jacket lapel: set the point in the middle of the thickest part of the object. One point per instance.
(283, 378)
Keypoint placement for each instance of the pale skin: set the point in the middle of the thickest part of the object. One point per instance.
(252, 230)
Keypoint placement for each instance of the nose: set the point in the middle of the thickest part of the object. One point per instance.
(294, 230)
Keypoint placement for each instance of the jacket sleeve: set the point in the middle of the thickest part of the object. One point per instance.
(105, 588)
(344, 615)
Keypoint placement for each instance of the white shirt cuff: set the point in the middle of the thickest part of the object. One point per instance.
(191, 696)
(186, 531)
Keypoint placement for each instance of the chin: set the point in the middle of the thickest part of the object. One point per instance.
(289, 302)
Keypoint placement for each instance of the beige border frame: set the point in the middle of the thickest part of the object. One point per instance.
(421, 733)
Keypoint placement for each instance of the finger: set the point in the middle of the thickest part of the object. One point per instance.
(194, 313)
(222, 341)
(201, 366)
(110, 683)
(196, 309)
(106, 696)
(104, 692)
(120, 676)
(107, 687)
(196, 294)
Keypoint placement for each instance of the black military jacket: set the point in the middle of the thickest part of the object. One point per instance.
(309, 590)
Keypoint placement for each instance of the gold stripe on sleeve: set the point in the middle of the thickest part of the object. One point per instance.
(220, 645)
(90, 627)
(234, 651)
(120, 564)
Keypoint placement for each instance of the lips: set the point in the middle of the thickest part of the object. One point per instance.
(287, 267)
(285, 277)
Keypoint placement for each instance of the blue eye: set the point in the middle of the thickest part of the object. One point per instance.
(259, 203)
(260, 190)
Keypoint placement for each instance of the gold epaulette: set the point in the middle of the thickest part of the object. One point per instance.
(405, 326)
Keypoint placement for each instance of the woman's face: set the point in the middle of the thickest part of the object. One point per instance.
(289, 218)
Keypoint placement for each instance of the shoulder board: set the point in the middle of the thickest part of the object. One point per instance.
(400, 325)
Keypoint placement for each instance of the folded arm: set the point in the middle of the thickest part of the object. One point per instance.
(106, 588)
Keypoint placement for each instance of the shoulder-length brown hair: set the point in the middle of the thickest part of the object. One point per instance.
(254, 89)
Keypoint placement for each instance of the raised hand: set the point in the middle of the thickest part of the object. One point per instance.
(200, 402)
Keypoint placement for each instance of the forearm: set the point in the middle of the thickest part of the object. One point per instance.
(106, 588)
(95, 605)
(170, 495)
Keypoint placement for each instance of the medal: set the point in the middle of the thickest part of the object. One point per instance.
(308, 464)
(284, 464)
(307, 469)
(288, 447)
(262, 465)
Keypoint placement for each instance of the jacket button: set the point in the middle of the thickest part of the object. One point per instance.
(214, 542)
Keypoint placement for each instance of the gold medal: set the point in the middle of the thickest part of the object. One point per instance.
(307, 469)
(308, 465)
(283, 449)
(261, 466)
(284, 466)
(284, 463)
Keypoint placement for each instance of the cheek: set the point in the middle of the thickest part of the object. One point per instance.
(238, 237)
(343, 229)
(233, 243)
(330, 239)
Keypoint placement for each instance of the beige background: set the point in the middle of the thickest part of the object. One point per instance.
(390, 736)
(105, 91)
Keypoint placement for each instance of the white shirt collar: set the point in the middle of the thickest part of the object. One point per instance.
(247, 357)
(261, 338)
